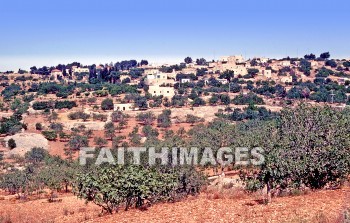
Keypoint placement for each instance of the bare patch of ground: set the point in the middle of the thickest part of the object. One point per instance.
(25, 142)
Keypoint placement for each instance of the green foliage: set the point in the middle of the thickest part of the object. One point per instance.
(193, 119)
(346, 64)
(135, 137)
(14, 182)
(100, 142)
(78, 115)
(65, 104)
(310, 56)
(305, 67)
(92, 100)
(198, 102)
(235, 87)
(11, 91)
(50, 135)
(295, 93)
(146, 117)
(253, 72)
(308, 146)
(331, 63)
(227, 74)
(150, 132)
(121, 89)
(41, 105)
(325, 55)
(18, 106)
(201, 72)
(112, 186)
(118, 116)
(250, 113)
(107, 104)
(266, 88)
(214, 99)
(163, 119)
(57, 127)
(248, 99)
(109, 130)
(10, 125)
(100, 117)
(36, 155)
(169, 69)
(324, 72)
(28, 97)
(188, 60)
(38, 126)
(54, 88)
(178, 100)
(11, 143)
(77, 141)
(141, 102)
(48, 172)
(225, 99)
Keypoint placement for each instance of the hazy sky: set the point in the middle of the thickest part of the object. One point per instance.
(42, 32)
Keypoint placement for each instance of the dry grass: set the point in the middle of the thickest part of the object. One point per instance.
(231, 193)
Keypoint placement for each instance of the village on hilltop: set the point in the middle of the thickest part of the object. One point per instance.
(294, 109)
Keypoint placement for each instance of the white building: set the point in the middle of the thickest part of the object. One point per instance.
(285, 63)
(158, 79)
(267, 73)
(123, 107)
(80, 70)
(155, 90)
(185, 80)
(222, 81)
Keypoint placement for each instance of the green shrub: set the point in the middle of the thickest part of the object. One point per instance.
(65, 104)
(50, 135)
(107, 104)
(38, 126)
(36, 155)
(78, 115)
(111, 186)
(307, 146)
(11, 143)
(41, 105)
(248, 99)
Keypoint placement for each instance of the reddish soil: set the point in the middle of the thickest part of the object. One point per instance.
(57, 147)
(233, 206)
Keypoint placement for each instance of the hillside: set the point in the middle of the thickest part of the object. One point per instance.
(233, 206)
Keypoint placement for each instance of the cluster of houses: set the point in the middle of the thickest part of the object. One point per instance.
(162, 84)
(56, 73)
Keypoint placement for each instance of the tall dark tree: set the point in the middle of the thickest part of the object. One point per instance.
(188, 60)
(310, 56)
(305, 66)
(201, 61)
(144, 62)
(325, 55)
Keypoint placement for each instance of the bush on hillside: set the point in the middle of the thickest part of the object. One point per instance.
(111, 186)
(307, 147)
(11, 143)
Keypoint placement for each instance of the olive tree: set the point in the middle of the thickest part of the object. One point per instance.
(307, 147)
